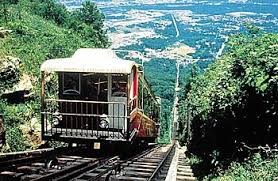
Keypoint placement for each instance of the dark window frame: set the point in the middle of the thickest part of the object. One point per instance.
(73, 91)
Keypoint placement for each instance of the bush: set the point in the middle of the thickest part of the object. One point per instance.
(15, 140)
(256, 168)
(50, 10)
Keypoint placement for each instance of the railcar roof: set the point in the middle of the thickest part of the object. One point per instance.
(90, 60)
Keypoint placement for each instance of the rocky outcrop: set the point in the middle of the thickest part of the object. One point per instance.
(32, 134)
(21, 91)
(4, 33)
(9, 69)
(15, 87)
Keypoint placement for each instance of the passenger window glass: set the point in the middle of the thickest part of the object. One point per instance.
(96, 87)
(119, 85)
(71, 83)
(140, 94)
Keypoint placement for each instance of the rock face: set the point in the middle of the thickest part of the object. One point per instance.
(31, 132)
(9, 69)
(4, 33)
(15, 87)
(21, 91)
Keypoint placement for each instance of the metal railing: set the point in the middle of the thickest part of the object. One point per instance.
(85, 119)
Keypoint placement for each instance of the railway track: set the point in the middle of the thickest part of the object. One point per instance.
(58, 165)
(151, 165)
(47, 164)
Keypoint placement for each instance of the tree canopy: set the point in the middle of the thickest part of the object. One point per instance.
(235, 101)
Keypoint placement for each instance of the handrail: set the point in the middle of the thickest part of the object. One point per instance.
(85, 115)
(133, 133)
(135, 97)
(78, 101)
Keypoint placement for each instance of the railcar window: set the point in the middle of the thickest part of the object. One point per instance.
(96, 87)
(147, 104)
(119, 85)
(140, 95)
(71, 83)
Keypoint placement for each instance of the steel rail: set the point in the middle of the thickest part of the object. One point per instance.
(39, 151)
(10, 160)
(115, 165)
(113, 161)
(158, 168)
(66, 174)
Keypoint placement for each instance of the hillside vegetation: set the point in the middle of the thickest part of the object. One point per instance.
(230, 111)
(40, 30)
(255, 168)
(164, 87)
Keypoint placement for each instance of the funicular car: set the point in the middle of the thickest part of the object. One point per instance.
(96, 96)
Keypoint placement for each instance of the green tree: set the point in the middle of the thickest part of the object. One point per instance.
(90, 15)
(88, 21)
(235, 100)
(50, 10)
(5, 10)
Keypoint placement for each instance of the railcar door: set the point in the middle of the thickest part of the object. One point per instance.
(95, 89)
(118, 101)
(76, 89)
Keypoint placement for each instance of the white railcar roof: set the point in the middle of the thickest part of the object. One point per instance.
(90, 60)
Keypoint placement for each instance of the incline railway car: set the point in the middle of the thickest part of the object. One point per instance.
(98, 98)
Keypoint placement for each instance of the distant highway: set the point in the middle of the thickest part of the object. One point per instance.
(220, 51)
(175, 25)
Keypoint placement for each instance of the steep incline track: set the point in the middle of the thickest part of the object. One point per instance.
(58, 165)
(151, 165)
(46, 164)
